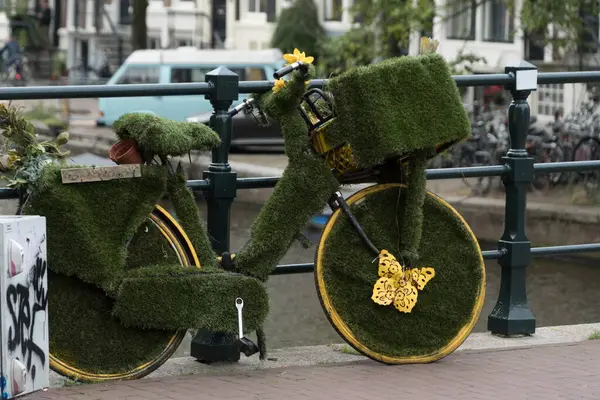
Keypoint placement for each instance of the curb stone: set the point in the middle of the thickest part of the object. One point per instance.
(336, 354)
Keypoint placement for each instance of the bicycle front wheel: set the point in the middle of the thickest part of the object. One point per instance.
(86, 343)
(345, 272)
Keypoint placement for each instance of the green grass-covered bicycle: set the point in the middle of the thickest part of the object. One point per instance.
(398, 271)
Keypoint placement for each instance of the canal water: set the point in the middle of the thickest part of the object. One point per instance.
(561, 291)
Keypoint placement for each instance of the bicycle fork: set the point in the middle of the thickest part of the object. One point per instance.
(337, 201)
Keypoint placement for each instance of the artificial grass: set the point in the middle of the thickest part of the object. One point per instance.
(82, 331)
(443, 307)
(118, 291)
(396, 107)
(85, 240)
(160, 136)
(412, 224)
(283, 106)
(189, 217)
(303, 190)
(189, 297)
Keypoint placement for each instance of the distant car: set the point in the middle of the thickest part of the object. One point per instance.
(246, 132)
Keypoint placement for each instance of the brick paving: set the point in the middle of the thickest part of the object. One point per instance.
(568, 371)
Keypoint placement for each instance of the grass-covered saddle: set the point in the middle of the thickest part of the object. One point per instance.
(163, 137)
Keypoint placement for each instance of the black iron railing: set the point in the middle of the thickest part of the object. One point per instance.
(512, 314)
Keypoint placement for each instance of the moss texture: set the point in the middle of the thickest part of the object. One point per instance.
(189, 217)
(82, 332)
(84, 240)
(188, 297)
(118, 290)
(396, 107)
(160, 136)
(412, 223)
(302, 191)
(443, 307)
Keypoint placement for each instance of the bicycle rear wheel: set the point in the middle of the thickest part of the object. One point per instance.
(345, 273)
(86, 343)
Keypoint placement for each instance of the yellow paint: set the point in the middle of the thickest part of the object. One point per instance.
(398, 284)
(345, 331)
(158, 217)
(188, 243)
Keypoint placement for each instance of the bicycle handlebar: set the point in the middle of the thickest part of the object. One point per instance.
(280, 73)
(245, 104)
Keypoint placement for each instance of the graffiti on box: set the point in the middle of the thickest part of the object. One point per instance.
(26, 299)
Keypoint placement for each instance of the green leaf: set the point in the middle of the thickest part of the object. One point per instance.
(62, 139)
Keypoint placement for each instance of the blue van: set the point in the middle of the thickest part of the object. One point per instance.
(182, 65)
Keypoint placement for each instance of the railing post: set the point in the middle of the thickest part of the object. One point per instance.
(512, 315)
(216, 346)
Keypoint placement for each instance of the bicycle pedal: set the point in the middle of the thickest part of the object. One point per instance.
(227, 262)
(247, 346)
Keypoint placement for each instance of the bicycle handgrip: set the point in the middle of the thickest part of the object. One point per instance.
(245, 104)
(280, 73)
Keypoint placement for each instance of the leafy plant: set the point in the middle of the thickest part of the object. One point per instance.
(299, 27)
(26, 155)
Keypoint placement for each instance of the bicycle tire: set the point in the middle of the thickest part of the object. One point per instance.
(482, 185)
(592, 178)
(181, 245)
(338, 235)
(556, 155)
(595, 142)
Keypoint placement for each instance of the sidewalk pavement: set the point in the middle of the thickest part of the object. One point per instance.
(568, 371)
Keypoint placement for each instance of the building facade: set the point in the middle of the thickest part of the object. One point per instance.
(90, 31)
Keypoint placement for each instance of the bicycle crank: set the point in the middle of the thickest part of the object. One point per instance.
(247, 346)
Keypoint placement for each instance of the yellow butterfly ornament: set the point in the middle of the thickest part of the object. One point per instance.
(399, 285)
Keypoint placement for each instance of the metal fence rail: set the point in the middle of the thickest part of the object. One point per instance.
(512, 314)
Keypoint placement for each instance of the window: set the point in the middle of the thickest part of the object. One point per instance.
(187, 75)
(550, 98)
(139, 74)
(498, 21)
(257, 6)
(333, 10)
(185, 42)
(461, 20)
(589, 34)
(153, 43)
(535, 44)
(125, 11)
(254, 74)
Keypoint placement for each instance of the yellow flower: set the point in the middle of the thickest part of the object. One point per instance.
(279, 83)
(297, 56)
(12, 159)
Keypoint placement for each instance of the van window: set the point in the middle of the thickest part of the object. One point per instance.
(187, 75)
(139, 74)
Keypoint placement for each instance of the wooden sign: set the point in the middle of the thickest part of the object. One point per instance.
(104, 173)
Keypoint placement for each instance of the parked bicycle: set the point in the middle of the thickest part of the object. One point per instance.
(398, 271)
(18, 74)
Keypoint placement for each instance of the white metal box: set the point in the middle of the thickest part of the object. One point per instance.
(24, 364)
